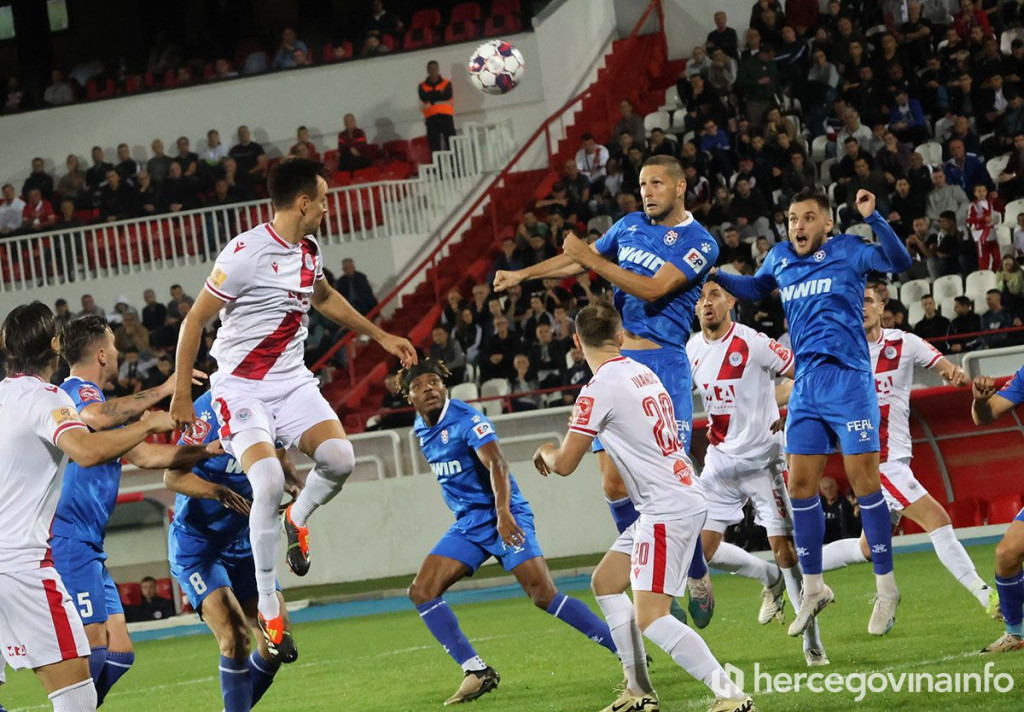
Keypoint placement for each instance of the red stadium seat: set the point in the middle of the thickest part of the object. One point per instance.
(390, 42)
(132, 83)
(965, 513)
(505, 7)
(909, 526)
(366, 175)
(131, 593)
(341, 179)
(397, 149)
(164, 588)
(419, 38)
(419, 150)
(1002, 510)
(94, 91)
(425, 19)
(466, 12)
(502, 25)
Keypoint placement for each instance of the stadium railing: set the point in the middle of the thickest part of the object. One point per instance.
(367, 211)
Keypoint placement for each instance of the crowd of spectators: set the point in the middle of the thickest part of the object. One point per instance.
(172, 63)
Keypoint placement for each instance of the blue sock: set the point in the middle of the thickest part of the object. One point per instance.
(235, 685)
(443, 624)
(877, 524)
(698, 567)
(624, 513)
(579, 616)
(1011, 601)
(97, 661)
(809, 532)
(117, 665)
(261, 674)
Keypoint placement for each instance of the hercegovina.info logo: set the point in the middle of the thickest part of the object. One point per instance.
(861, 684)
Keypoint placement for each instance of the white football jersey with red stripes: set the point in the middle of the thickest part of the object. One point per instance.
(893, 357)
(735, 376)
(627, 405)
(267, 284)
(33, 415)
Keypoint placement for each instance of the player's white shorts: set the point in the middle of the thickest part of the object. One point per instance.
(39, 624)
(727, 483)
(285, 409)
(660, 552)
(899, 486)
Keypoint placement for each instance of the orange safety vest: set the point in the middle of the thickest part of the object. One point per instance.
(441, 107)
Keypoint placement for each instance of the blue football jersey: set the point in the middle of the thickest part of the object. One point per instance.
(1013, 391)
(642, 248)
(88, 494)
(823, 293)
(450, 448)
(207, 518)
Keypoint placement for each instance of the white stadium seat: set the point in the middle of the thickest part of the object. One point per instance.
(657, 120)
(1013, 209)
(931, 151)
(915, 313)
(996, 165)
(464, 392)
(949, 286)
(488, 389)
(980, 281)
(818, 146)
(912, 291)
(946, 307)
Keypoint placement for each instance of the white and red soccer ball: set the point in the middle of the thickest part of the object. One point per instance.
(496, 67)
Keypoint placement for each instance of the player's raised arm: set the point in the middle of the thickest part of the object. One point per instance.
(335, 307)
(558, 267)
(91, 449)
(565, 458)
(988, 405)
(492, 458)
(893, 255)
(118, 411)
(205, 308)
(746, 287)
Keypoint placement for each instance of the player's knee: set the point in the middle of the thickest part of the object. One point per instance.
(1008, 558)
(542, 594)
(335, 459)
(420, 594)
(267, 479)
(234, 640)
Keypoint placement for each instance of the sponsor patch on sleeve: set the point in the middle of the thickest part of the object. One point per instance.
(482, 430)
(64, 415)
(217, 277)
(695, 259)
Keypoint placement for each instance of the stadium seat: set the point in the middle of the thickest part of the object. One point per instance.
(419, 150)
(397, 149)
(861, 230)
(1013, 209)
(657, 120)
(980, 281)
(489, 389)
(949, 286)
(946, 305)
(912, 291)
(1002, 510)
(464, 23)
(965, 513)
(931, 151)
(464, 391)
(1004, 236)
(506, 7)
(425, 19)
(366, 175)
(909, 526)
(818, 148)
(915, 312)
(94, 91)
(132, 83)
(996, 165)
(164, 588)
(131, 593)
(502, 24)
(420, 37)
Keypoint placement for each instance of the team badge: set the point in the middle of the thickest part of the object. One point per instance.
(89, 393)
(890, 352)
(735, 358)
(307, 261)
(705, 247)
(819, 256)
(244, 414)
(200, 429)
(670, 237)
(584, 407)
(444, 436)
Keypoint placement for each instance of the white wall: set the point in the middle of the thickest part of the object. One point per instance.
(687, 22)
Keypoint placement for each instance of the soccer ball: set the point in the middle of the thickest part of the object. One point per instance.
(496, 67)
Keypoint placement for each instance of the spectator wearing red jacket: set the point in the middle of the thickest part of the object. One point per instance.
(969, 17)
(352, 146)
(38, 213)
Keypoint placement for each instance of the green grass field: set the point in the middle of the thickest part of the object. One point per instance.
(390, 662)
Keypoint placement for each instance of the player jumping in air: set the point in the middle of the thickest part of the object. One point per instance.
(492, 518)
(894, 353)
(88, 494)
(989, 406)
(263, 284)
(40, 429)
(628, 406)
(211, 557)
(663, 256)
(734, 369)
(834, 400)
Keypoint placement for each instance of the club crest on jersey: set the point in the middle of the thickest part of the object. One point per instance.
(244, 414)
(735, 358)
(444, 436)
(89, 393)
(670, 237)
(307, 261)
(584, 407)
(819, 256)
(890, 352)
(200, 429)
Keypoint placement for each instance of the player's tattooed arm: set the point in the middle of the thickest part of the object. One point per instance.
(988, 405)
(118, 411)
(155, 456)
(492, 458)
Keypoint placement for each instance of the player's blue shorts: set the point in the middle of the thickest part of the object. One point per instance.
(672, 366)
(201, 568)
(473, 539)
(830, 404)
(82, 567)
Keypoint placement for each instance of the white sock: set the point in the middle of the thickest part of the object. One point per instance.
(692, 654)
(618, 613)
(954, 557)
(474, 664)
(335, 460)
(267, 479)
(794, 586)
(80, 697)
(731, 558)
(813, 583)
(886, 583)
(841, 553)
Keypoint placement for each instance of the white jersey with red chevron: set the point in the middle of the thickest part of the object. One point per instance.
(33, 416)
(735, 375)
(267, 284)
(893, 357)
(627, 405)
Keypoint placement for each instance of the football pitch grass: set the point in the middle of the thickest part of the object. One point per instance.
(390, 662)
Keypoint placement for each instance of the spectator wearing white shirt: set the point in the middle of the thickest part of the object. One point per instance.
(1018, 236)
(11, 210)
(215, 150)
(853, 127)
(592, 160)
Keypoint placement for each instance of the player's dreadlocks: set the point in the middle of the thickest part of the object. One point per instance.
(426, 365)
